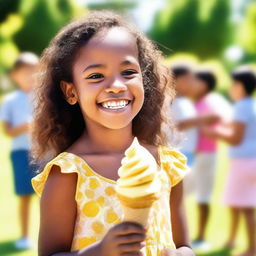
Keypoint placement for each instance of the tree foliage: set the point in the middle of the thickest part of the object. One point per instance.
(42, 19)
(195, 26)
(7, 7)
(29, 25)
(247, 32)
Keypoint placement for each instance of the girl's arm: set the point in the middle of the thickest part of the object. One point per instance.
(232, 134)
(57, 213)
(58, 217)
(179, 224)
(15, 131)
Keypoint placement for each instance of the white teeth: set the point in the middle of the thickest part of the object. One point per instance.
(115, 104)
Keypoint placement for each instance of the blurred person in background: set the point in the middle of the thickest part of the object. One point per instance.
(205, 160)
(16, 115)
(240, 190)
(186, 118)
(185, 112)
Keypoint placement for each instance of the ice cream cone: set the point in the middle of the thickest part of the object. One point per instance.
(138, 187)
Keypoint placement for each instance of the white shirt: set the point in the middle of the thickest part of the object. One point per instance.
(183, 109)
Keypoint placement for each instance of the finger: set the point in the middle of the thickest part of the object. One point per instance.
(132, 238)
(135, 247)
(125, 228)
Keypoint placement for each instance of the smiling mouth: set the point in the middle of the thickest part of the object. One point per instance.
(117, 104)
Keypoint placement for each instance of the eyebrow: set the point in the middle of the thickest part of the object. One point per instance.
(127, 62)
(94, 66)
(124, 63)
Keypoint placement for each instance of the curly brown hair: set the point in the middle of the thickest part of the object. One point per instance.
(57, 124)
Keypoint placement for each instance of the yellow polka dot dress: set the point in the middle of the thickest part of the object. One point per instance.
(98, 208)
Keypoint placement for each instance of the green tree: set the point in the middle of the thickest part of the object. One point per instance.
(216, 31)
(29, 25)
(195, 26)
(246, 35)
(42, 19)
(7, 7)
(119, 6)
(8, 50)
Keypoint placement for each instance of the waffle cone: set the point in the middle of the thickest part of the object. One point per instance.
(138, 215)
(137, 209)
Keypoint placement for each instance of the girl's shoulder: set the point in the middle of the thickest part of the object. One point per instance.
(66, 162)
(174, 163)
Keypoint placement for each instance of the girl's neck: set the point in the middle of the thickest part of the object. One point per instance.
(101, 139)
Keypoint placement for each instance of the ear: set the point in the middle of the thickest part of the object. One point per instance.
(69, 92)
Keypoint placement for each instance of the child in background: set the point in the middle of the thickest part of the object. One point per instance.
(205, 161)
(184, 111)
(16, 114)
(240, 191)
(186, 118)
(102, 85)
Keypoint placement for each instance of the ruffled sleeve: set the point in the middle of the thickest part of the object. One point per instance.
(66, 166)
(174, 163)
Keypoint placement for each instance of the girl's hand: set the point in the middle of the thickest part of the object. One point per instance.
(177, 252)
(123, 239)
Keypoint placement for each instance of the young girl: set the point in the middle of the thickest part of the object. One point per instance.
(240, 192)
(101, 85)
(16, 114)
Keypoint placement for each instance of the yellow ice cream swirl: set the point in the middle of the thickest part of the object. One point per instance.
(138, 173)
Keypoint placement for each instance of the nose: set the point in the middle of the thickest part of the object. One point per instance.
(116, 86)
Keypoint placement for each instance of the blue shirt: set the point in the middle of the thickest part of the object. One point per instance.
(16, 110)
(245, 112)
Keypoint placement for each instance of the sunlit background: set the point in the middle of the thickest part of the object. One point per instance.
(218, 33)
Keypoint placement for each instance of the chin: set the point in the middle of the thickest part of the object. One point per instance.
(116, 125)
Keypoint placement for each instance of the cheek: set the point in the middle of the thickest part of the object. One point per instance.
(87, 97)
(138, 93)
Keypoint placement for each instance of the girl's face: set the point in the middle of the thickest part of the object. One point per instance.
(237, 91)
(107, 79)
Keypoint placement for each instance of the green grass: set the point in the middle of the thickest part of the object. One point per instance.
(10, 230)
